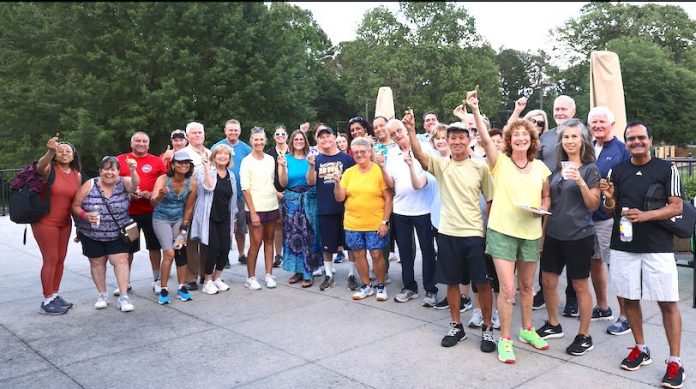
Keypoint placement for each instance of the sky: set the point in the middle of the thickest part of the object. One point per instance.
(340, 20)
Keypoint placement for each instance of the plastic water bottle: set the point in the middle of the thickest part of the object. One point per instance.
(625, 227)
(180, 240)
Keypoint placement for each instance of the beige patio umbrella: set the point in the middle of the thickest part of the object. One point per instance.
(384, 106)
(606, 87)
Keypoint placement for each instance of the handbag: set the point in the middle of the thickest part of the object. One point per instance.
(128, 234)
(680, 225)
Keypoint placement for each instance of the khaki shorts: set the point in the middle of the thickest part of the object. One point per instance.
(509, 248)
(644, 276)
(603, 239)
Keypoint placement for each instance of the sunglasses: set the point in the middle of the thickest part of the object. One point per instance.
(356, 119)
(539, 123)
(280, 134)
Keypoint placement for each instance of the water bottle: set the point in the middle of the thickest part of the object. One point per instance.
(180, 240)
(625, 227)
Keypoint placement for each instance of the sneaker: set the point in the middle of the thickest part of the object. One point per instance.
(277, 260)
(405, 295)
(209, 288)
(252, 284)
(549, 331)
(340, 257)
(674, 376)
(221, 285)
(117, 292)
(487, 340)
(164, 297)
(599, 314)
(455, 335)
(364, 292)
(505, 351)
(53, 308)
(352, 283)
(327, 283)
(443, 304)
(538, 302)
(270, 281)
(124, 304)
(532, 338)
(636, 359)
(430, 299)
(382, 293)
(183, 294)
(101, 302)
(318, 273)
(476, 320)
(495, 320)
(465, 304)
(571, 309)
(242, 259)
(192, 286)
(621, 327)
(156, 286)
(59, 300)
(580, 345)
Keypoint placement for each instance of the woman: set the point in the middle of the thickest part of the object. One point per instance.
(100, 209)
(538, 117)
(514, 233)
(301, 247)
(569, 230)
(216, 207)
(439, 141)
(52, 232)
(257, 173)
(342, 142)
(358, 127)
(368, 206)
(281, 148)
(173, 198)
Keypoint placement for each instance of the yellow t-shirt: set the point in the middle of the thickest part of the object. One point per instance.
(513, 188)
(364, 199)
(461, 184)
(257, 176)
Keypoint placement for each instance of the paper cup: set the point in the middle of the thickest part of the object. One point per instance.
(565, 166)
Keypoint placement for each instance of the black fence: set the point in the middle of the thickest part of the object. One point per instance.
(6, 176)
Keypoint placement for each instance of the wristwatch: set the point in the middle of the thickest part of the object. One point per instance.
(385, 222)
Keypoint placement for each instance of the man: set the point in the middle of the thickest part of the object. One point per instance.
(460, 236)
(413, 198)
(195, 133)
(149, 168)
(178, 139)
(233, 130)
(610, 152)
(643, 268)
(430, 122)
(322, 167)
(563, 109)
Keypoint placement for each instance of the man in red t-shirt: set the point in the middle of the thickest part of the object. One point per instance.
(149, 168)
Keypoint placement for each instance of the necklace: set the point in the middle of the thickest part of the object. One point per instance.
(518, 166)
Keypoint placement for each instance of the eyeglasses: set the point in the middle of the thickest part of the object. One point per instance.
(539, 123)
(280, 134)
(360, 152)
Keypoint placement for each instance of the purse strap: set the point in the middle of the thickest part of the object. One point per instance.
(106, 203)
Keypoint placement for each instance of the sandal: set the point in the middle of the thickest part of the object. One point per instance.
(297, 277)
(307, 283)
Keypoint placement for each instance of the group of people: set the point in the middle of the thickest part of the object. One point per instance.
(485, 205)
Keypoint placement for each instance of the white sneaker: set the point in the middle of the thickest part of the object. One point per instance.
(270, 281)
(495, 320)
(156, 287)
(117, 292)
(222, 286)
(252, 284)
(382, 294)
(476, 319)
(101, 302)
(124, 304)
(319, 272)
(210, 287)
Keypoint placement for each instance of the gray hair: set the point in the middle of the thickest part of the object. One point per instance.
(601, 110)
(565, 97)
(361, 141)
(398, 122)
(194, 124)
(587, 153)
(233, 121)
(140, 133)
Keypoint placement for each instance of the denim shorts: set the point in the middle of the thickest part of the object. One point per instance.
(360, 240)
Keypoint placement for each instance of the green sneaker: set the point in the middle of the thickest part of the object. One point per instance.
(531, 337)
(505, 352)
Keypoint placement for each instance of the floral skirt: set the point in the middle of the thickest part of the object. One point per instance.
(301, 243)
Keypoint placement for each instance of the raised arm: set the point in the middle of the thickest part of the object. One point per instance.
(388, 179)
(418, 181)
(159, 191)
(339, 191)
(486, 142)
(410, 124)
(131, 183)
(44, 163)
(520, 105)
(283, 170)
(311, 172)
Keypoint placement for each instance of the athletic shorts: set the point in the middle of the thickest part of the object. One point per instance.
(360, 240)
(144, 222)
(509, 248)
(644, 276)
(95, 249)
(166, 232)
(460, 259)
(240, 224)
(603, 239)
(492, 276)
(575, 254)
(331, 232)
(265, 217)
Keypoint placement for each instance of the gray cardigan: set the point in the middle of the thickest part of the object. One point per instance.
(204, 201)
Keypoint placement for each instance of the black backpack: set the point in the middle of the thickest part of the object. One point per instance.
(681, 225)
(30, 197)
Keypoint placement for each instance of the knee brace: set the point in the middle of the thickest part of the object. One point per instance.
(180, 256)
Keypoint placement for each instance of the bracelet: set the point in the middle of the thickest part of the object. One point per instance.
(608, 207)
(82, 214)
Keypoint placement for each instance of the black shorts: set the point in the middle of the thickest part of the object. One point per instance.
(265, 217)
(575, 254)
(460, 259)
(144, 222)
(492, 275)
(95, 249)
(331, 233)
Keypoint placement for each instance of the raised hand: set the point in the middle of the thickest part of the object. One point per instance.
(409, 121)
(472, 99)
(460, 112)
(132, 163)
(521, 104)
(408, 159)
(282, 161)
(379, 158)
(53, 142)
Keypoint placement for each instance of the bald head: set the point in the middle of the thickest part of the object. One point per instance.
(563, 109)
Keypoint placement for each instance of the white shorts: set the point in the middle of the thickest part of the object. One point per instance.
(603, 239)
(644, 276)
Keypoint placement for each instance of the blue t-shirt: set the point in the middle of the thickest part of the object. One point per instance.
(241, 150)
(297, 171)
(613, 153)
(326, 166)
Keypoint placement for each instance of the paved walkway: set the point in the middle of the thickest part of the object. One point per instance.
(287, 337)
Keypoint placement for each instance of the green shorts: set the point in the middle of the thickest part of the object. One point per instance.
(509, 248)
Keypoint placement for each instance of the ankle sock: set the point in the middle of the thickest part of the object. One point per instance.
(351, 268)
(48, 300)
(642, 348)
(328, 268)
(672, 358)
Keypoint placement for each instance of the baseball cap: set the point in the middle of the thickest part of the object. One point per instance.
(457, 126)
(182, 155)
(325, 129)
(178, 134)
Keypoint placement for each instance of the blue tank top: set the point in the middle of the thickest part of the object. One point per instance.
(108, 229)
(171, 208)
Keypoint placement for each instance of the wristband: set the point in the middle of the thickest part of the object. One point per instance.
(82, 214)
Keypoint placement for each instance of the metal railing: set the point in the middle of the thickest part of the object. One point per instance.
(6, 176)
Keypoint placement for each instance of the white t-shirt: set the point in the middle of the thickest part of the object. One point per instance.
(407, 201)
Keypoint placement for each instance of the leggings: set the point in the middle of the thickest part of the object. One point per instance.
(219, 244)
(53, 243)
